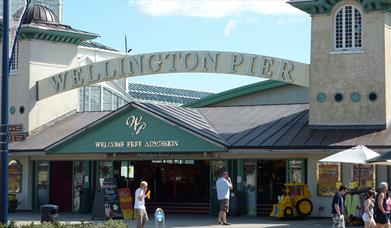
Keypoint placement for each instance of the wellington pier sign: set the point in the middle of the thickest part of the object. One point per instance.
(176, 62)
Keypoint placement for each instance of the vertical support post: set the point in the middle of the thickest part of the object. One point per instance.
(4, 117)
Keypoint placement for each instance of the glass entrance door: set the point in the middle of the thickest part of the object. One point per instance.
(217, 168)
(81, 186)
(271, 179)
(250, 187)
(42, 183)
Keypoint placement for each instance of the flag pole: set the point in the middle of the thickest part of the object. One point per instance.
(4, 117)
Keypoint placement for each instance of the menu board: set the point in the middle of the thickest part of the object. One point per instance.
(328, 175)
(364, 175)
(106, 201)
(126, 201)
(111, 199)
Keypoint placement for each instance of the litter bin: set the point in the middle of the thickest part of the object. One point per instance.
(49, 213)
(234, 205)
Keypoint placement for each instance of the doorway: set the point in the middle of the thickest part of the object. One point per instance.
(61, 184)
(271, 179)
(180, 186)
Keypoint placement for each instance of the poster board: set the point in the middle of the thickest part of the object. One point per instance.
(364, 175)
(106, 201)
(126, 202)
(328, 175)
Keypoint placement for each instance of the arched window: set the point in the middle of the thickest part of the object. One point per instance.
(348, 28)
(14, 176)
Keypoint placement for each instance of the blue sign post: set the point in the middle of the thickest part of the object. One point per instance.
(4, 117)
(160, 220)
(10, 34)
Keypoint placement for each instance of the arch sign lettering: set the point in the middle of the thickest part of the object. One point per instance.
(176, 62)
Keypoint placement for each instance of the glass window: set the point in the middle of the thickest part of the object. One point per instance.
(14, 176)
(15, 58)
(121, 102)
(348, 28)
(80, 185)
(95, 98)
(218, 167)
(105, 170)
(107, 100)
(42, 183)
(296, 171)
(250, 187)
(329, 175)
(114, 102)
(81, 99)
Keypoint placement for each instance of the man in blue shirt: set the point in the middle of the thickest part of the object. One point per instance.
(223, 186)
(337, 208)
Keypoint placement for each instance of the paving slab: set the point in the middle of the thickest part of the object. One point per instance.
(183, 221)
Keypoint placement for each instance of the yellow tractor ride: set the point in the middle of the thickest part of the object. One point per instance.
(294, 203)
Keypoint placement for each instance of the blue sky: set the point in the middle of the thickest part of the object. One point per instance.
(263, 27)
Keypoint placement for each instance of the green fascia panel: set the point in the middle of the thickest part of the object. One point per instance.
(151, 134)
(53, 35)
(324, 6)
(234, 93)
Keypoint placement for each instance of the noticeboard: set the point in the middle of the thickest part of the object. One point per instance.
(328, 175)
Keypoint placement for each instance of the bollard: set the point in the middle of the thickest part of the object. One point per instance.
(160, 220)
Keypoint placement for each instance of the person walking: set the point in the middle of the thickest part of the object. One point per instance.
(368, 215)
(381, 218)
(139, 204)
(337, 208)
(223, 187)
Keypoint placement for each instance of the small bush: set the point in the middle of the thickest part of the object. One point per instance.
(109, 224)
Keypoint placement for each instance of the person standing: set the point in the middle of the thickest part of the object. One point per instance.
(223, 187)
(139, 204)
(381, 218)
(368, 210)
(337, 208)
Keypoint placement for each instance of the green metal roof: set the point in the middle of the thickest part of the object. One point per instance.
(324, 6)
(233, 93)
(53, 32)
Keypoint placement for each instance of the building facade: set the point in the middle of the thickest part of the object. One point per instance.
(265, 134)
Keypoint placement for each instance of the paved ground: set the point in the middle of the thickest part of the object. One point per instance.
(186, 221)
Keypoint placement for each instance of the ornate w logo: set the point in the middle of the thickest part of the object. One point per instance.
(135, 124)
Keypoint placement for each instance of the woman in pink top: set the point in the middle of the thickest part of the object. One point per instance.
(388, 203)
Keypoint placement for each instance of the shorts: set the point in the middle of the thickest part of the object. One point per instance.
(338, 221)
(224, 205)
(366, 218)
(381, 218)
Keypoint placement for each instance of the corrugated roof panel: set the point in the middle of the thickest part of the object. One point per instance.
(286, 139)
(274, 130)
(272, 140)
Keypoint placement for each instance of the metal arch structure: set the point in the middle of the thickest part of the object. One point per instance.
(175, 62)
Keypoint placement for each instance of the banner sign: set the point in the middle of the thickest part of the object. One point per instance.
(176, 62)
(126, 202)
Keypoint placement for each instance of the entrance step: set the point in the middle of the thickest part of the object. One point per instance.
(264, 209)
(179, 207)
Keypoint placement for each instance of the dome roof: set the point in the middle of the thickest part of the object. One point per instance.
(38, 13)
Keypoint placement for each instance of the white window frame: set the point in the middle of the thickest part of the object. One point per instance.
(345, 49)
(14, 61)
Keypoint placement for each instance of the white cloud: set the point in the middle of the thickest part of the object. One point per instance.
(214, 8)
(229, 27)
